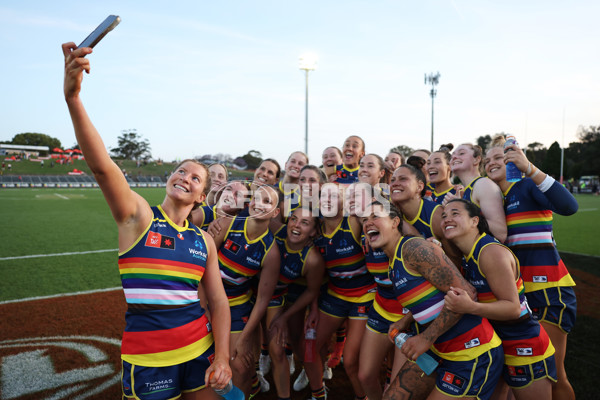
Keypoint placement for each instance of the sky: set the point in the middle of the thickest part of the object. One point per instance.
(208, 77)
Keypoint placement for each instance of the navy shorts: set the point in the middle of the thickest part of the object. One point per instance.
(474, 378)
(158, 383)
(240, 315)
(520, 376)
(555, 305)
(339, 308)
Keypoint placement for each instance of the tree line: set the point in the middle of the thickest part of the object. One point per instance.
(580, 158)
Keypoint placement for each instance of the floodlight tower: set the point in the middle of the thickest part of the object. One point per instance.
(433, 80)
(308, 62)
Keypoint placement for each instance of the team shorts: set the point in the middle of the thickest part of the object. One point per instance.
(521, 376)
(473, 378)
(158, 383)
(339, 308)
(240, 315)
(277, 302)
(555, 305)
(378, 323)
(294, 291)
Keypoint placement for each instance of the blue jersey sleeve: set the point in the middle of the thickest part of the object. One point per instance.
(557, 198)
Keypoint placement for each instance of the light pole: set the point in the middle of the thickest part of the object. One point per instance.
(308, 62)
(433, 80)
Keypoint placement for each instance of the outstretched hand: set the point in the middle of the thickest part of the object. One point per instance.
(75, 64)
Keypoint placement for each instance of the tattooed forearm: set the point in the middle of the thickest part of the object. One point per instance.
(445, 320)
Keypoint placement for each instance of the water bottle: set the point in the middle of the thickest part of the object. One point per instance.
(512, 172)
(427, 363)
(310, 345)
(230, 392)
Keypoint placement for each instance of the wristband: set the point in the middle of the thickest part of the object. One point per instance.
(546, 183)
(537, 171)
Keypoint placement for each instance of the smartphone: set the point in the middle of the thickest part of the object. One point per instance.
(106, 26)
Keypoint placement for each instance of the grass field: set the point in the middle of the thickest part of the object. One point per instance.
(58, 241)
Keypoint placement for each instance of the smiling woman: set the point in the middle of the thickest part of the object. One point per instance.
(167, 329)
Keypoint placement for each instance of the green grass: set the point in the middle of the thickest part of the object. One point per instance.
(49, 221)
(26, 167)
(579, 233)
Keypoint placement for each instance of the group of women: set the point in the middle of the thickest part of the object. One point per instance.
(363, 245)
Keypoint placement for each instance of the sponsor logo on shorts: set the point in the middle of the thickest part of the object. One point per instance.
(524, 351)
(162, 385)
(362, 309)
(472, 343)
(157, 240)
(540, 279)
(454, 380)
(516, 371)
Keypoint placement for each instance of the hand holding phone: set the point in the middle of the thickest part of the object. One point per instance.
(106, 26)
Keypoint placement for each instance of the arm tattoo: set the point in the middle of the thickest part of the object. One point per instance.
(442, 274)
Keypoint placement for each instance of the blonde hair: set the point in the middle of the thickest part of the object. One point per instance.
(498, 141)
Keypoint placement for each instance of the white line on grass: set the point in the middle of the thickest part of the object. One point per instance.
(588, 209)
(61, 295)
(57, 254)
(61, 196)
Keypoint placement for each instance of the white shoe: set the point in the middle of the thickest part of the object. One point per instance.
(292, 364)
(264, 384)
(264, 364)
(301, 381)
(327, 372)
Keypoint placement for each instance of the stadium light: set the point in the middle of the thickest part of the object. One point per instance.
(308, 62)
(433, 80)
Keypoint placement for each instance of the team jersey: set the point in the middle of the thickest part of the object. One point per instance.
(160, 274)
(349, 278)
(386, 302)
(291, 198)
(439, 197)
(524, 341)
(468, 192)
(470, 337)
(422, 222)
(345, 175)
(240, 259)
(210, 214)
(529, 222)
(429, 188)
(292, 263)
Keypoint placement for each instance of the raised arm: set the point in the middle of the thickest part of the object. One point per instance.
(556, 196)
(489, 197)
(131, 212)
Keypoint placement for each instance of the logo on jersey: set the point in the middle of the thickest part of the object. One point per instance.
(540, 279)
(157, 240)
(232, 246)
(472, 343)
(180, 236)
(524, 351)
(453, 380)
(323, 251)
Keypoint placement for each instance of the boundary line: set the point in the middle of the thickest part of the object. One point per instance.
(75, 253)
(52, 296)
